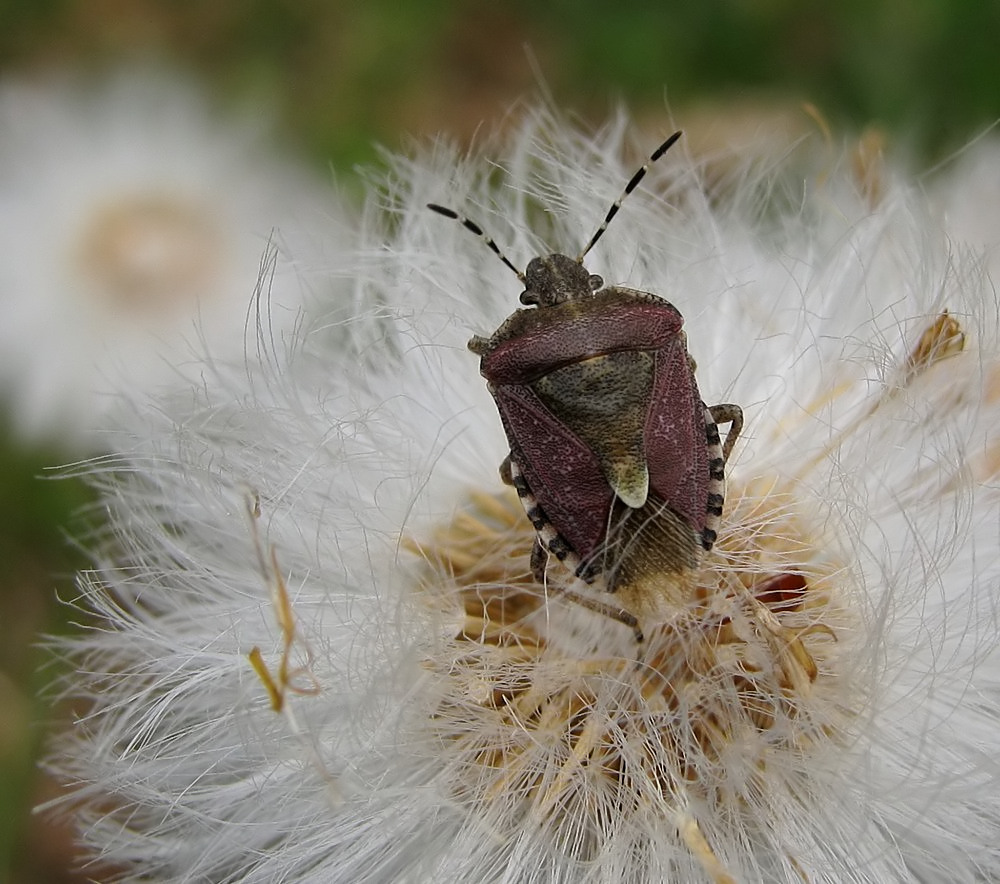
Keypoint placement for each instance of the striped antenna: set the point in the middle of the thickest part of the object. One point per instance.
(478, 231)
(632, 185)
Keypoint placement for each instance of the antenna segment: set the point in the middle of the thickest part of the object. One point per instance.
(478, 231)
(632, 185)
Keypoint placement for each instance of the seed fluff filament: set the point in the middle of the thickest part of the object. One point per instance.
(547, 712)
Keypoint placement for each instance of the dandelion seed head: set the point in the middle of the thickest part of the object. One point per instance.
(821, 706)
(607, 748)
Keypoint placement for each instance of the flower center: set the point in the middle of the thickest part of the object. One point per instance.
(584, 730)
(152, 252)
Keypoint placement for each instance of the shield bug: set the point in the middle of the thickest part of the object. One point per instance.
(616, 459)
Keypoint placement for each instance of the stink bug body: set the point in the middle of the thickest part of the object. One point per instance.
(617, 460)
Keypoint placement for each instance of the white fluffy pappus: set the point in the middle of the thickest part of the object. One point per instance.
(133, 219)
(320, 655)
(970, 198)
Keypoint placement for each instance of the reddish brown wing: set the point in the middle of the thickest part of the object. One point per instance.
(615, 319)
(561, 470)
(676, 446)
(563, 473)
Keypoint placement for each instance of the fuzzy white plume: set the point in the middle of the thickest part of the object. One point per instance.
(827, 711)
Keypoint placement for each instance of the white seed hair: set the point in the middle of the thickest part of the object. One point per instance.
(372, 425)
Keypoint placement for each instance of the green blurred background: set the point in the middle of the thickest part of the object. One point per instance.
(344, 76)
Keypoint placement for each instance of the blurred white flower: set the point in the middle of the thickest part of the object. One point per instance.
(970, 195)
(133, 221)
(330, 540)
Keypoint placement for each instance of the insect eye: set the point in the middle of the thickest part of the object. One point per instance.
(595, 282)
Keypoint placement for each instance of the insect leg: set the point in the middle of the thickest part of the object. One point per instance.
(732, 415)
(612, 612)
